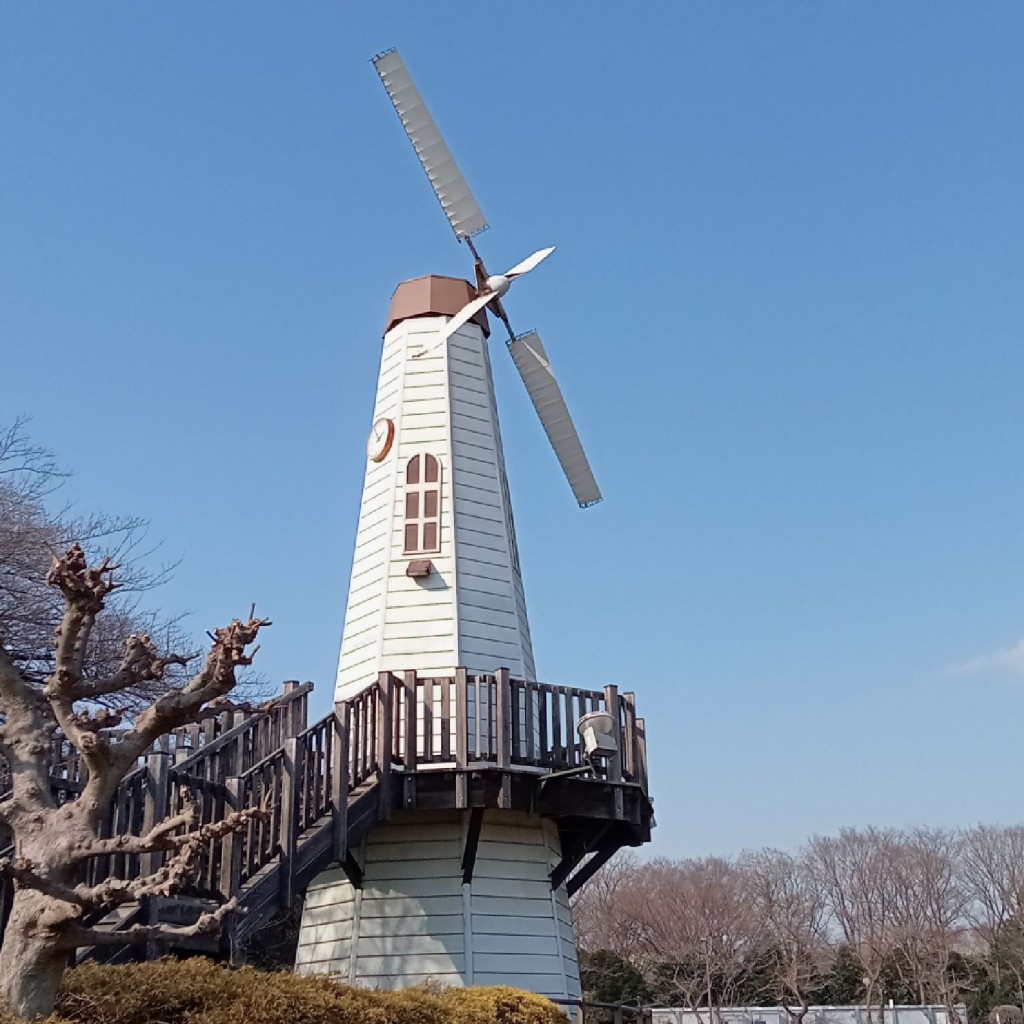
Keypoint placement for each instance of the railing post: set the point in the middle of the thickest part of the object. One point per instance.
(155, 806)
(641, 752)
(290, 725)
(231, 851)
(408, 753)
(239, 759)
(629, 705)
(385, 739)
(153, 812)
(612, 706)
(503, 734)
(291, 800)
(340, 781)
(461, 738)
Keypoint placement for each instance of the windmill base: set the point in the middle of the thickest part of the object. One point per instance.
(456, 897)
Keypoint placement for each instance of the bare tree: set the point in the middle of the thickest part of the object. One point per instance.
(595, 909)
(791, 902)
(32, 532)
(695, 927)
(856, 872)
(991, 864)
(54, 842)
(930, 902)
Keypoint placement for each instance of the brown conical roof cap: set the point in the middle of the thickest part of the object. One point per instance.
(433, 295)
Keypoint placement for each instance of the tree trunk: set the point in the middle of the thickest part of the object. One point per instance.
(31, 963)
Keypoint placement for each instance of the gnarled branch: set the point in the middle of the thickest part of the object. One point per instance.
(215, 680)
(25, 875)
(84, 589)
(162, 838)
(187, 848)
(77, 936)
(142, 663)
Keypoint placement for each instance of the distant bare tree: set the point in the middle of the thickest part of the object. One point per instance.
(695, 921)
(791, 902)
(856, 872)
(595, 909)
(32, 532)
(930, 902)
(991, 862)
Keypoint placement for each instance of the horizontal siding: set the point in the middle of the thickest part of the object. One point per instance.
(489, 635)
(414, 924)
(414, 944)
(498, 924)
(505, 944)
(370, 967)
(412, 918)
(397, 906)
(424, 849)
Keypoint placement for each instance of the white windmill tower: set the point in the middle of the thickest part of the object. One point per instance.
(469, 888)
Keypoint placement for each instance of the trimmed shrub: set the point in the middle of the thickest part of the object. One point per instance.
(198, 991)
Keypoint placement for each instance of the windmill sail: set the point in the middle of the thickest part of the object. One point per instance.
(462, 210)
(532, 363)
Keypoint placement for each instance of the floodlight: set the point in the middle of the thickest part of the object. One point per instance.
(597, 730)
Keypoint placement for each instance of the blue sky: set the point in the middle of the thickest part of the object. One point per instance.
(786, 309)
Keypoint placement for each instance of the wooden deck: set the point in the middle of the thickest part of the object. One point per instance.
(463, 741)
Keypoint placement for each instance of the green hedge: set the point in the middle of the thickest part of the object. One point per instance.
(198, 991)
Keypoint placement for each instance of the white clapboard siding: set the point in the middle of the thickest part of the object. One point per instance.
(471, 610)
(414, 917)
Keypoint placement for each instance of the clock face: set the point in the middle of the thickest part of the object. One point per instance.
(382, 436)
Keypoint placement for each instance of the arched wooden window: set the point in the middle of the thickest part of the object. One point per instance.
(422, 505)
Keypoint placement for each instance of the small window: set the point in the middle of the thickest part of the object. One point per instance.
(422, 505)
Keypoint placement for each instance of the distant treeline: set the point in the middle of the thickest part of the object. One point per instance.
(919, 917)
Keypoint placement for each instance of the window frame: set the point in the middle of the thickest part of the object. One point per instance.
(421, 489)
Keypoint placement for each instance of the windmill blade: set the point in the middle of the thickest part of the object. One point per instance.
(525, 266)
(532, 363)
(463, 316)
(462, 210)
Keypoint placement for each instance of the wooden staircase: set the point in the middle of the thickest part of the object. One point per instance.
(404, 742)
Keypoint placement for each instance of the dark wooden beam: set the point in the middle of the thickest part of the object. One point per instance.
(585, 873)
(572, 856)
(353, 872)
(476, 820)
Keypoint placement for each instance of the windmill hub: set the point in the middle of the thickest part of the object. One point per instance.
(498, 283)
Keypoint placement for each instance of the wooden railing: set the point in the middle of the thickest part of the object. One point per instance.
(494, 719)
(306, 778)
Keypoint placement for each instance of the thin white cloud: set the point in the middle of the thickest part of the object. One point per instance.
(1007, 661)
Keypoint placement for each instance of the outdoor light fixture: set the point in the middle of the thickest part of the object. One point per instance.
(597, 730)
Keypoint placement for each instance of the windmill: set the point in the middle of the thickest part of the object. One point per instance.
(467, 221)
(458, 870)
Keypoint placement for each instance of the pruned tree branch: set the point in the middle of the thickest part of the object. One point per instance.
(228, 652)
(208, 923)
(165, 837)
(178, 872)
(142, 663)
(24, 874)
